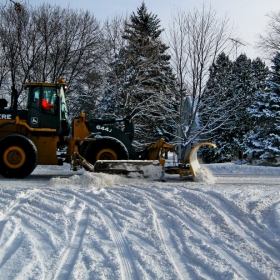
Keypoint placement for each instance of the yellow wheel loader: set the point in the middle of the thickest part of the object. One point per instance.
(36, 135)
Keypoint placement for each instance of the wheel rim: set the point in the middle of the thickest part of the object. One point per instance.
(14, 157)
(106, 154)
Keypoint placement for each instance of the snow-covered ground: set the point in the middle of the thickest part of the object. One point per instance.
(225, 225)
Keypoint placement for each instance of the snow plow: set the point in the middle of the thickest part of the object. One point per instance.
(149, 167)
(41, 134)
(190, 165)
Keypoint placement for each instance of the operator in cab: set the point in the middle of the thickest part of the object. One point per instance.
(46, 105)
(49, 100)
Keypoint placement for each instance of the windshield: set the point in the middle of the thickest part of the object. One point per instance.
(49, 100)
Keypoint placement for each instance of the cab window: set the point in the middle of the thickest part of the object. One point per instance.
(49, 100)
(33, 97)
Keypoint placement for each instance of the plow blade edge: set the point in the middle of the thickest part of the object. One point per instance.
(145, 168)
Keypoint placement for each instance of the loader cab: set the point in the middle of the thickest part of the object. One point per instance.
(46, 105)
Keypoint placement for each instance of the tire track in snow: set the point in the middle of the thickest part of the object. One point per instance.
(185, 218)
(27, 224)
(41, 232)
(163, 232)
(14, 207)
(70, 253)
(179, 259)
(127, 266)
(39, 253)
(9, 242)
(169, 246)
(243, 227)
(43, 247)
(124, 256)
(10, 246)
(247, 272)
(32, 215)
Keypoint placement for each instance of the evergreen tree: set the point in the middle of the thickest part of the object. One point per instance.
(216, 112)
(263, 140)
(141, 82)
(233, 85)
(241, 86)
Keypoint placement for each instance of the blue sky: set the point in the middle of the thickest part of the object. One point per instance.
(249, 16)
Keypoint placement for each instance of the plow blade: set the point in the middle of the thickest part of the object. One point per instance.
(192, 157)
(145, 168)
(190, 166)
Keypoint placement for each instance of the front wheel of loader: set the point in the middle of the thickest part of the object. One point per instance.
(106, 148)
(18, 156)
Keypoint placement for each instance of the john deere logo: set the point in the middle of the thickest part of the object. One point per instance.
(34, 120)
(5, 116)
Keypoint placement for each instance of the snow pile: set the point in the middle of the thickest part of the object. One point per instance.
(87, 180)
(205, 176)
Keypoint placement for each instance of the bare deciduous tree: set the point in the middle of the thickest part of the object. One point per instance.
(46, 43)
(195, 40)
(113, 32)
(3, 73)
(269, 43)
(12, 25)
(113, 43)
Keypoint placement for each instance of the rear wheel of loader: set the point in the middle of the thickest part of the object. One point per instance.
(18, 156)
(106, 148)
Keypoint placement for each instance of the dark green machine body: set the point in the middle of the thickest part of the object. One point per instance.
(104, 127)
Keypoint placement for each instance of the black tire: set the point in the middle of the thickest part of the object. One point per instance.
(106, 148)
(84, 145)
(18, 156)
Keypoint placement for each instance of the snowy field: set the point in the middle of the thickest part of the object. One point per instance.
(225, 225)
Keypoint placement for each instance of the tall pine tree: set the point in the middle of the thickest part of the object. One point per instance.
(141, 83)
(217, 111)
(231, 87)
(263, 140)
